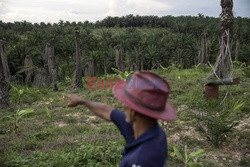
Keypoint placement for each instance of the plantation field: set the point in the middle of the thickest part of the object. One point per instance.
(56, 135)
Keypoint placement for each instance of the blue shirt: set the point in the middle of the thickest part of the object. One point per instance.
(148, 150)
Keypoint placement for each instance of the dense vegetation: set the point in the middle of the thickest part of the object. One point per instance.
(159, 40)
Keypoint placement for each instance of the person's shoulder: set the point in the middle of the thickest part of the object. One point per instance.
(116, 113)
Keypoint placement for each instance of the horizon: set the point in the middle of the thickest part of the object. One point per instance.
(94, 22)
(80, 11)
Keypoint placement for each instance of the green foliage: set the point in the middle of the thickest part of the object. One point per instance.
(189, 159)
(241, 70)
(172, 67)
(247, 71)
(164, 40)
(48, 112)
(215, 120)
(99, 154)
(17, 117)
(17, 94)
(57, 141)
(122, 75)
(96, 155)
(25, 94)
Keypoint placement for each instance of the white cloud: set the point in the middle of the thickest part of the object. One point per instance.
(53, 10)
(3, 8)
(141, 7)
(92, 10)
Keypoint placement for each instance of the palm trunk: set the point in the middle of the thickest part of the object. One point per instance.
(203, 53)
(45, 59)
(52, 67)
(105, 65)
(89, 68)
(78, 72)
(137, 59)
(4, 60)
(28, 74)
(4, 89)
(142, 63)
(225, 67)
(119, 58)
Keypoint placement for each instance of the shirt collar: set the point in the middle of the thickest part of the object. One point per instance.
(149, 134)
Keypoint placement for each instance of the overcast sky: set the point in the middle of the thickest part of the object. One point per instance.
(93, 10)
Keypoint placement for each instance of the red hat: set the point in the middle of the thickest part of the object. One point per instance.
(146, 93)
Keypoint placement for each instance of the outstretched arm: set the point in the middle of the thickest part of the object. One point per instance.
(100, 109)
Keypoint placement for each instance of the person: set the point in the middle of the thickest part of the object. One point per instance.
(145, 100)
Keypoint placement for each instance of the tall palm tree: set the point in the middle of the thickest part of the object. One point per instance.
(223, 66)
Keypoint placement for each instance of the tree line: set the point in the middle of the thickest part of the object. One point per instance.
(127, 43)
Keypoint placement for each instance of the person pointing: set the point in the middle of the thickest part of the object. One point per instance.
(145, 100)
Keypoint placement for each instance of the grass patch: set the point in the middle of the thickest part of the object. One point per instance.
(76, 137)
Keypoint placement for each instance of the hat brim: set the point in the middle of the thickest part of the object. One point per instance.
(168, 114)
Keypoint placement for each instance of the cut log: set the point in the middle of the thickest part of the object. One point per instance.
(229, 81)
(212, 88)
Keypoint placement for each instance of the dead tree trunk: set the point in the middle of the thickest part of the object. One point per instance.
(137, 61)
(51, 64)
(119, 58)
(105, 64)
(128, 63)
(28, 63)
(89, 67)
(5, 65)
(78, 72)
(142, 63)
(45, 59)
(223, 67)
(40, 77)
(203, 52)
(4, 89)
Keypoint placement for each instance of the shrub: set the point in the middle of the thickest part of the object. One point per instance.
(108, 154)
(95, 154)
(215, 120)
(189, 159)
(17, 117)
(20, 95)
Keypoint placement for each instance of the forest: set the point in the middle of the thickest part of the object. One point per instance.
(47, 60)
(151, 40)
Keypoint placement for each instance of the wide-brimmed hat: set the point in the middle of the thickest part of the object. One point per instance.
(146, 93)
